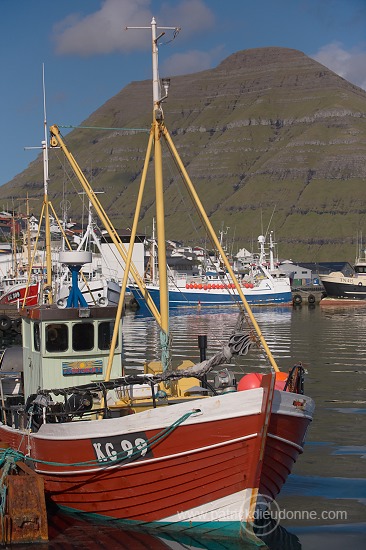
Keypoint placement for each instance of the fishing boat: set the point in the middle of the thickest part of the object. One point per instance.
(22, 282)
(349, 288)
(264, 285)
(16, 290)
(167, 449)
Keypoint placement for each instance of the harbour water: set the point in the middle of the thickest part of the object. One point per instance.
(323, 504)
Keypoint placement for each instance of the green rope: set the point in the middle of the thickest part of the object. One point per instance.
(104, 128)
(118, 458)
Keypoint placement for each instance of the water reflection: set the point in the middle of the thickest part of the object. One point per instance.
(71, 532)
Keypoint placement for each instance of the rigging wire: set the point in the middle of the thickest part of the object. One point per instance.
(103, 128)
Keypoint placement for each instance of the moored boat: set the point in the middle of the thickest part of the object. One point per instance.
(19, 290)
(263, 284)
(346, 288)
(164, 449)
(216, 291)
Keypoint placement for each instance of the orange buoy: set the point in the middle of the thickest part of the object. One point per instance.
(254, 380)
(250, 381)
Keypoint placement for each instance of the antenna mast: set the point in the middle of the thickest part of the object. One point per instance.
(45, 184)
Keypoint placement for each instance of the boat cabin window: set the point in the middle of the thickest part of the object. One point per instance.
(56, 337)
(83, 336)
(105, 333)
(36, 337)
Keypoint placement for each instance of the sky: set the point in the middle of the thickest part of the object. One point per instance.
(89, 56)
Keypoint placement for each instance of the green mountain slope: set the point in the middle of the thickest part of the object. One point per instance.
(268, 133)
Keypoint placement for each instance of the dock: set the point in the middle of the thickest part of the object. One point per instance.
(307, 295)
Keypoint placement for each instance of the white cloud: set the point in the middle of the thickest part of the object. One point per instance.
(104, 31)
(350, 64)
(192, 15)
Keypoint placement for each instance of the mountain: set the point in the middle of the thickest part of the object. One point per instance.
(268, 135)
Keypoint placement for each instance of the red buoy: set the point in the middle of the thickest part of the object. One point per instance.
(250, 381)
(254, 380)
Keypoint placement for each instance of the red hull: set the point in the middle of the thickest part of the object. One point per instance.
(199, 462)
(175, 478)
(283, 446)
(17, 293)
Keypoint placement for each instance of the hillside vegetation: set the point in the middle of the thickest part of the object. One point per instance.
(269, 134)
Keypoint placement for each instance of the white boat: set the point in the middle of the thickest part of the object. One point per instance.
(343, 288)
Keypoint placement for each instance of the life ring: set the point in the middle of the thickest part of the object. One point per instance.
(311, 299)
(61, 303)
(297, 300)
(5, 323)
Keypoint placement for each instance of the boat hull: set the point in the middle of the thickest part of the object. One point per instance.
(345, 288)
(188, 297)
(17, 293)
(202, 475)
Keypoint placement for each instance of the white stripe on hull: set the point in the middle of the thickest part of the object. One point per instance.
(232, 508)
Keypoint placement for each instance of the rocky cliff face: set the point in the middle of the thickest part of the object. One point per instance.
(269, 134)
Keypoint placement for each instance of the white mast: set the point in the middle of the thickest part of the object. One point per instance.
(157, 132)
(45, 183)
(271, 248)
